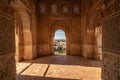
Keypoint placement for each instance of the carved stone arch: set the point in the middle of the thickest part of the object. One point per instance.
(63, 25)
(95, 18)
(93, 13)
(18, 37)
(26, 33)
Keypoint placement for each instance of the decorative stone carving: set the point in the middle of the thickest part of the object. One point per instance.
(42, 9)
(111, 66)
(111, 34)
(6, 28)
(65, 9)
(111, 41)
(115, 6)
(54, 9)
(76, 9)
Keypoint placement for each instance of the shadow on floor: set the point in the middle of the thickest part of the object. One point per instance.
(66, 60)
(26, 77)
(61, 67)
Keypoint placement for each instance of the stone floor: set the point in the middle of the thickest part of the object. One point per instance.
(59, 68)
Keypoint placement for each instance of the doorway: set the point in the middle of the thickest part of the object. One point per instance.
(64, 27)
(60, 42)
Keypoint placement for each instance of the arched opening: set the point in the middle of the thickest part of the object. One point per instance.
(23, 31)
(64, 26)
(60, 42)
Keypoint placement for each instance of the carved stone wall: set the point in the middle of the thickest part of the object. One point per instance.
(6, 39)
(7, 67)
(111, 41)
(67, 13)
(7, 46)
(111, 32)
(111, 66)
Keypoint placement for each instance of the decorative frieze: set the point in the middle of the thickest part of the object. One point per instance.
(55, 8)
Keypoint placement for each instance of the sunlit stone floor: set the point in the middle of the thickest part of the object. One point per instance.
(59, 68)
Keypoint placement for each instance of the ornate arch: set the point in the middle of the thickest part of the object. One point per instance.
(60, 24)
(95, 21)
(25, 19)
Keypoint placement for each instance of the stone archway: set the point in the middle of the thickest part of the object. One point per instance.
(25, 44)
(94, 30)
(63, 25)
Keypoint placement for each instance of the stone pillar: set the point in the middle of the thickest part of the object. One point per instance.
(27, 45)
(7, 42)
(34, 31)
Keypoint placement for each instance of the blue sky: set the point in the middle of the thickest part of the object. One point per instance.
(59, 34)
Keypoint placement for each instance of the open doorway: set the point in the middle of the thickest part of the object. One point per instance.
(60, 42)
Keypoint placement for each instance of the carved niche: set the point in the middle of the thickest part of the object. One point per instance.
(42, 8)
(54, 9)
(76, 9)
(65, 9)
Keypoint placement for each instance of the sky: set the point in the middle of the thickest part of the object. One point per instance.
(59, 34)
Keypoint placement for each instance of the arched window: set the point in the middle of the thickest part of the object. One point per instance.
(65, 9)
(76, 9)
(54, 9)
(42, 9)
(60, 42)
(59, 34)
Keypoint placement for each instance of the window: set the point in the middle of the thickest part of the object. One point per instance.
(54, 9)
(42, 9)
(76, 9)
(65, 9)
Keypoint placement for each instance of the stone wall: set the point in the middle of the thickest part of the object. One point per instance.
(25, 16)
(52, 12)
(90, 21)
(111, 41)
(111, 66)
(7, 66)
(7, 42)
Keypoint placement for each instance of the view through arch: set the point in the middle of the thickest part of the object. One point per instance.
(60, 42)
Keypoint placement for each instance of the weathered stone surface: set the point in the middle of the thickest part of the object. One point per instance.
(59, 68)
(50, 21)
(111, 66)
(7, 42)
(7, 67)
(111, 41)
